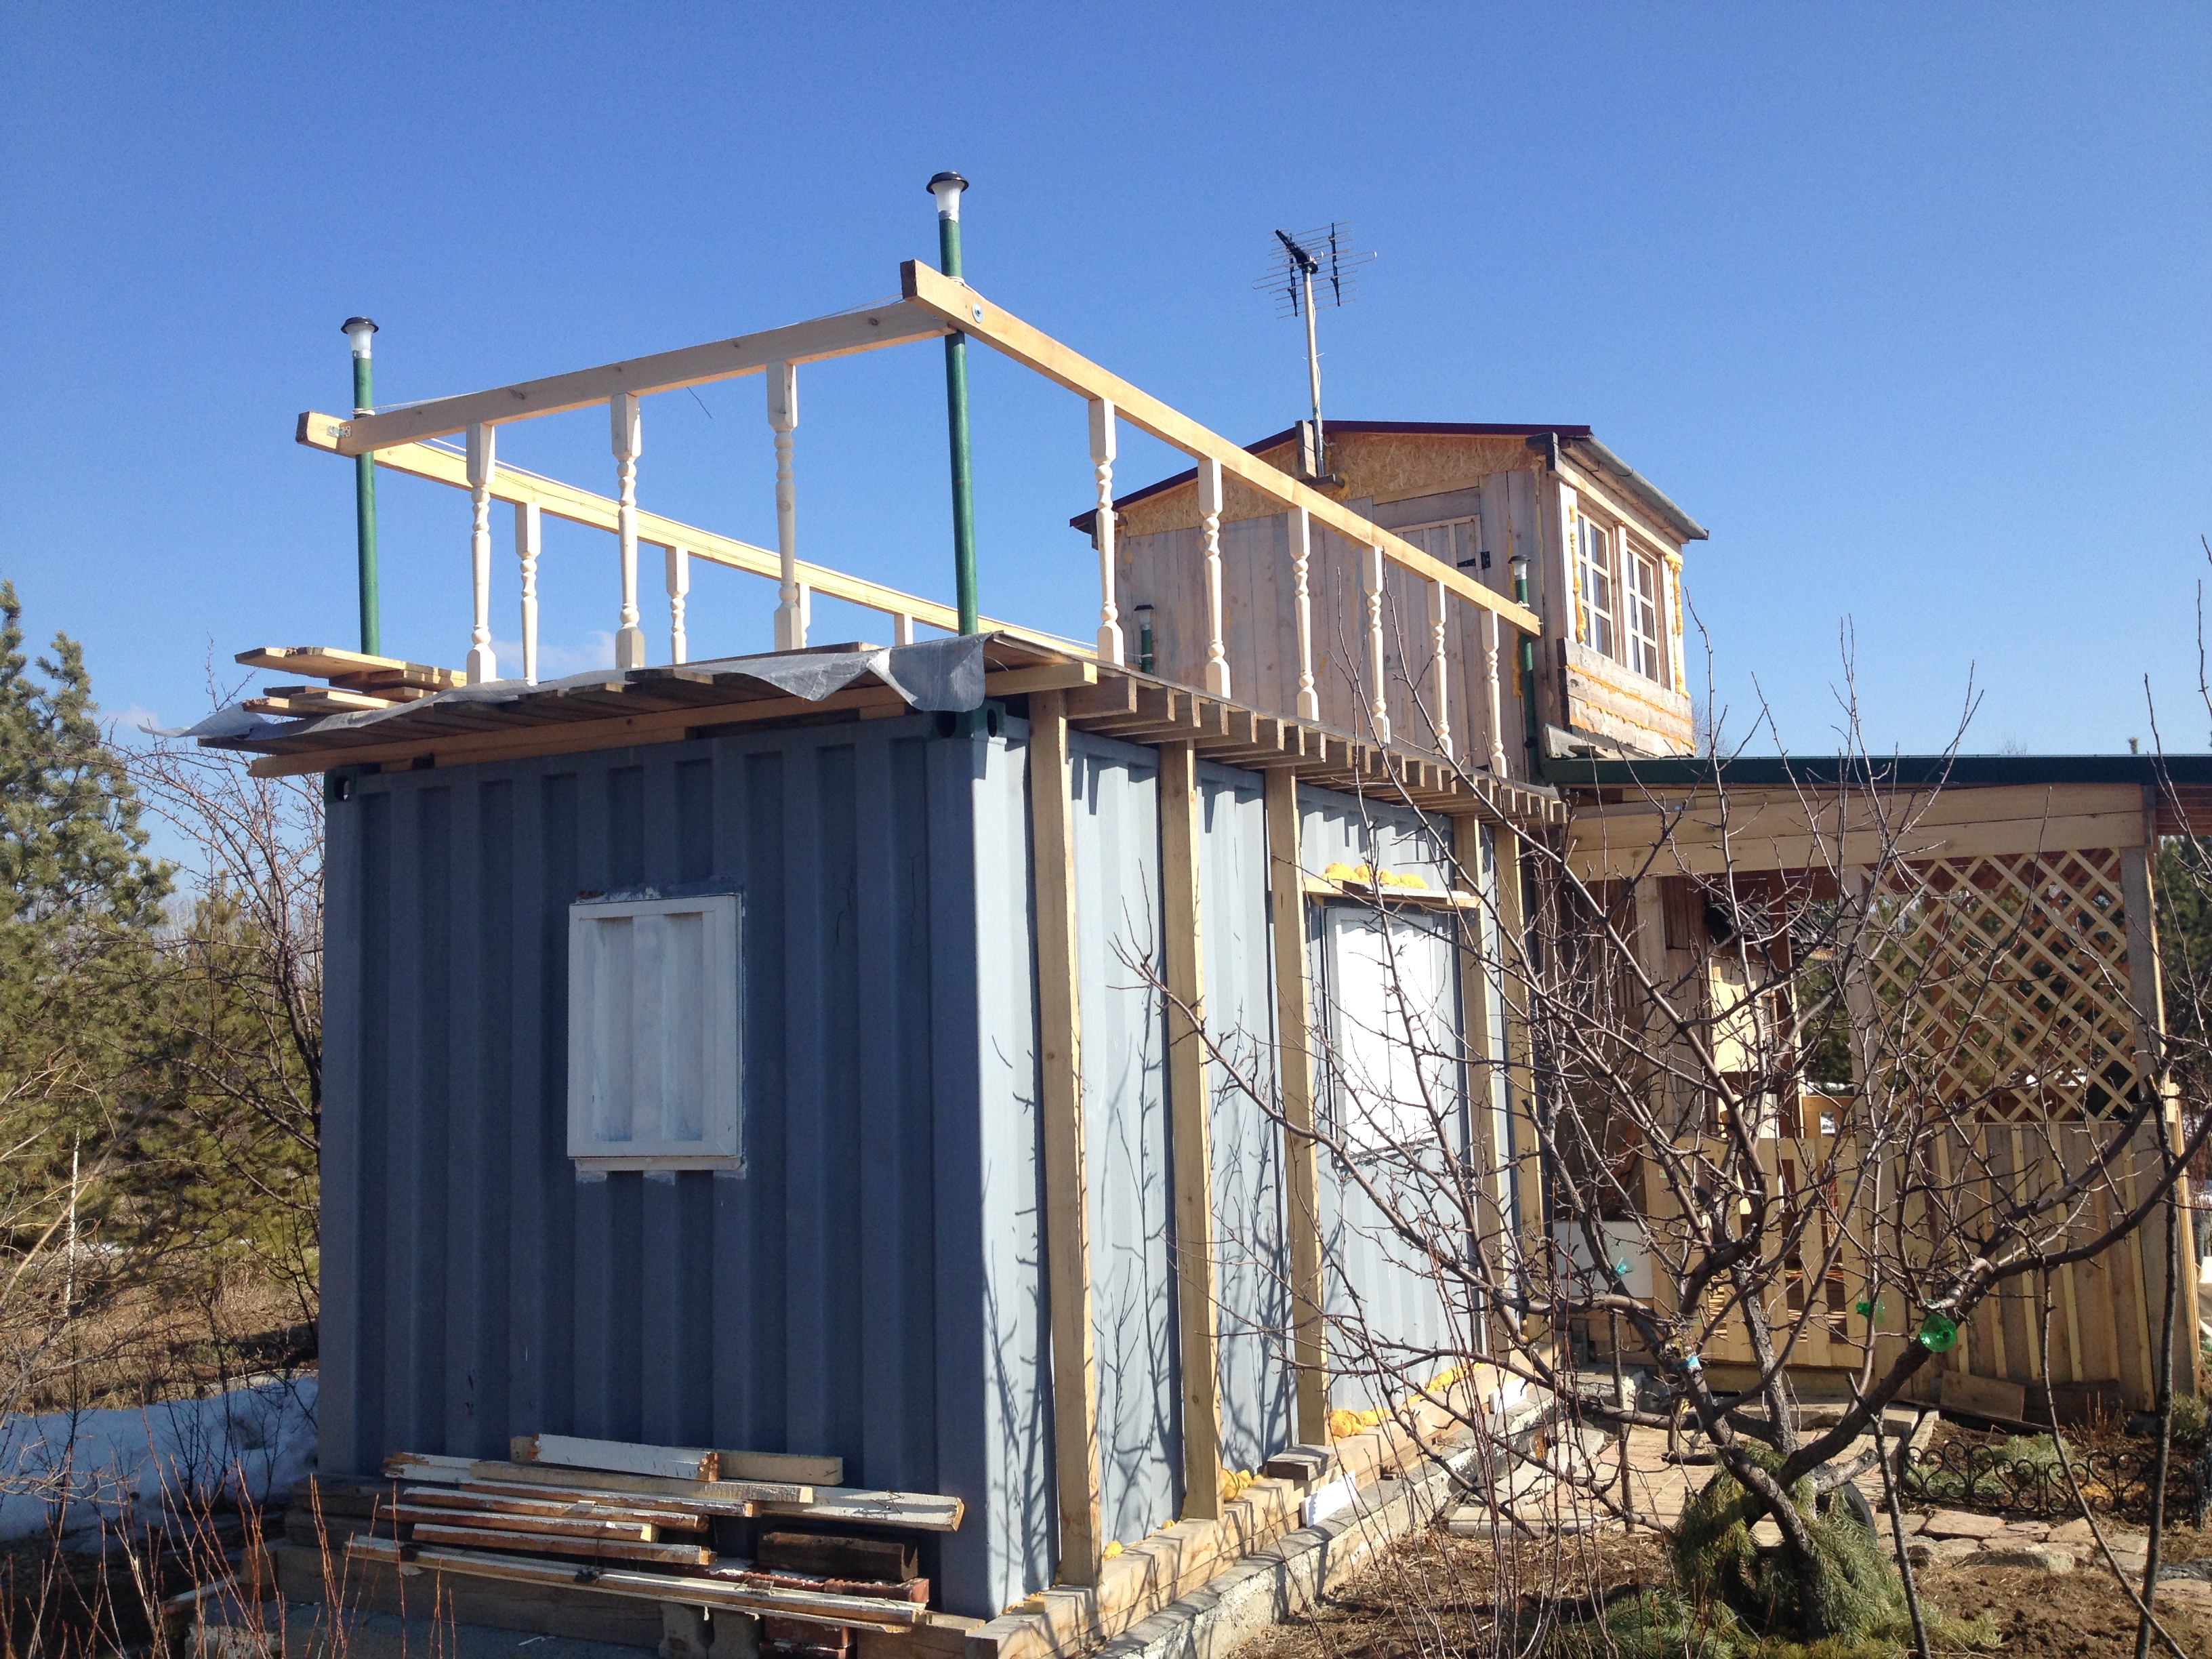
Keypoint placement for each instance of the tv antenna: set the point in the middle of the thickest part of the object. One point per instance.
(1313, 269)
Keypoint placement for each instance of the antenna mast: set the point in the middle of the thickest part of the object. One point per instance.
(1322, 254)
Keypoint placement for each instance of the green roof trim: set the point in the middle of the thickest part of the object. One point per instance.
(1892, 771)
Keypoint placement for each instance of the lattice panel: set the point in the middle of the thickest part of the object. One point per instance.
(2005, 980)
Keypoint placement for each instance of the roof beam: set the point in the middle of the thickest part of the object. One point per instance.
(841, 336)
(968, 311)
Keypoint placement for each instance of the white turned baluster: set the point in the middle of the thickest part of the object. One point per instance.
(1102, 458)
(1490, 677)
(483, 665)
(783, 420)
(901, 629)
(1209, 507)
(1379, 709)
(1301, 560)
(529, 542)
(628, 437)
(1443, 675)
(679, 586)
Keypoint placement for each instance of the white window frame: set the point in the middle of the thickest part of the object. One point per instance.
(1596, 586)
(1647, 650)
(1375, 1085)
(655, 1025)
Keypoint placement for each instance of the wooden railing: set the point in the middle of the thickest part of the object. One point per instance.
(931, 305)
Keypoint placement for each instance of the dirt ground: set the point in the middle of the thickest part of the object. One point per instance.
(1439, 1597)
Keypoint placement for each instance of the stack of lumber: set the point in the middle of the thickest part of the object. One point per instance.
(611, 1518)
(354, 680)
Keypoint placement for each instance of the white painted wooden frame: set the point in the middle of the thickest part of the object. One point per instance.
(655, 1030)
(482, 665)
(626, 433)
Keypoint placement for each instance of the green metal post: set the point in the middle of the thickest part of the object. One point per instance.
(358, 330)
(946, 187)
(1520, 567)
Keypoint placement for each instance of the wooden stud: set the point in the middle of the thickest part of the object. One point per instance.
(679, 588)
(1067, 1201)
(783, 420)
(1103, 445)
(1190, 1114)
(482, 665)
(628, 436)
(529, 544)
(1513, 922)
(1209, 507)
(1294, 1068)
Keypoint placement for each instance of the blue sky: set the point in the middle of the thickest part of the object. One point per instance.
(1908, 306)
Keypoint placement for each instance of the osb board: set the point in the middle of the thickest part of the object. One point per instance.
(1381, 466)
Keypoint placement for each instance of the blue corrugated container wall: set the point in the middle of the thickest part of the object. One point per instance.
(868, 1285)
(871, 1284)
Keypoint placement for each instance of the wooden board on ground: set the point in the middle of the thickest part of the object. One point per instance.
(1983, 1396)
(551, 1526)
(491, 1538)
(795, 1469)
(728, 1497)
(364, 1584)
(810, 1605)
(892, 1560)
(552, 1505)
(913, 1511)
(619, 1456)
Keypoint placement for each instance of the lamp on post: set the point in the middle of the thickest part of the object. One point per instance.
(358, 331)
(946, 187)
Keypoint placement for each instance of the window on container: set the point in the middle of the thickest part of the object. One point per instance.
(1454, 541)
(1646, 655)
(1394, 1059)
(654, 1043)
(1594, 585)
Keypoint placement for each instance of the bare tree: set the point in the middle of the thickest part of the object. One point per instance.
(1645, 1094)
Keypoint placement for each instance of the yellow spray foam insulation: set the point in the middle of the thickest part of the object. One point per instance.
(1364, 876)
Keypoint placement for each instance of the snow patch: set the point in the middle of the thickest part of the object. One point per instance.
(98, 1467)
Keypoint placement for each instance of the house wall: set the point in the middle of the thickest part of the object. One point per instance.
(867, 1286)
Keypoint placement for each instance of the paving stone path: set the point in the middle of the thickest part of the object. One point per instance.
(1934, 1537)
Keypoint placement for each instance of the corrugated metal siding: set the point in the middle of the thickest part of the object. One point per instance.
(1115, 791)
(1251, 1252)
(867, 1285)
(1375, 1285)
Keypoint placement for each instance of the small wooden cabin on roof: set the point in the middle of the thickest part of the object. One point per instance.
(1603, 547)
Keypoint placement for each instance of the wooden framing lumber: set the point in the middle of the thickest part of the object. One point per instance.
(715, 1497)
(1520, 1070)
(1294, 1069)
(838, 335)
(553, 1526)
(795, 1468)
(812, 1607)
(325, 662)
(619, 1456)
(1190, 1112)
(968, 311)
(546, 1503)
(660, 725)
(911, 1511)
(1066, 1200)
(487, 1536)
(584, 506)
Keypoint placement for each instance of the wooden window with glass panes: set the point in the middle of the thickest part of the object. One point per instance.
(1640, 615)
(1594, 585)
